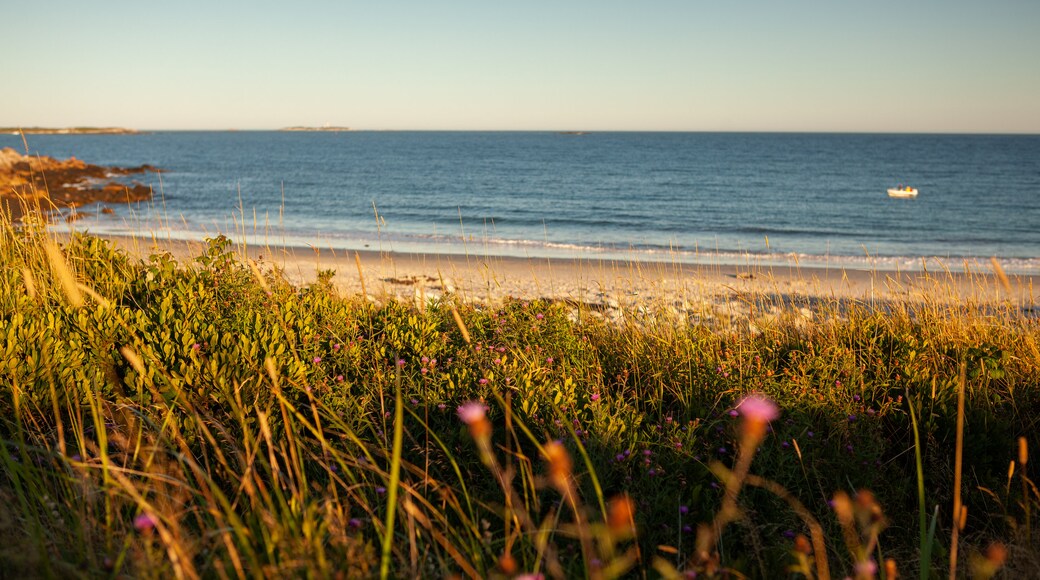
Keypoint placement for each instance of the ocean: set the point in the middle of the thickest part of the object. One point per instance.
(727, 198)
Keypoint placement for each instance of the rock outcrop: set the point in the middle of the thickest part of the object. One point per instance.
(52, 185)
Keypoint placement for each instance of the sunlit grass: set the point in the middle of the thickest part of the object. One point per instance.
(208, 418)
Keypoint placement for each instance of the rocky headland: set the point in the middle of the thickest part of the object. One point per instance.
(53, 186)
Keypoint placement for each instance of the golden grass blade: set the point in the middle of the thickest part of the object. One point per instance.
(461, 324)
(133, 358)
(30, 283)
(958, 461)
(360, 273)
(998, 270)
(63, 273)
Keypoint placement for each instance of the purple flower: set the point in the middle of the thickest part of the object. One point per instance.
(196, 347)
(549, 360)
(339, 378)
(852, 418)
(684, 509)
(734, 413)
(335, 346)
(594, 397)
(354, 523)
(400, 362)
(317, 359)
(483, 381)
(380, 490)
(539, 316)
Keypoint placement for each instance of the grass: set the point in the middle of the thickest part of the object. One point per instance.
(209, 419)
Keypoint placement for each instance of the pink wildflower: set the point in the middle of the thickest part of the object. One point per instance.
(144, 522)
(471, 412)
(866, 569)
(758, 408)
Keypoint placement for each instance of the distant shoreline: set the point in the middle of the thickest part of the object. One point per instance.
(69, 130)
(317, 129)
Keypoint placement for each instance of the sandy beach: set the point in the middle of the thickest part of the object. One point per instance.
(612, 287)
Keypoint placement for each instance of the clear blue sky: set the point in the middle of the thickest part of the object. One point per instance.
(794, 65)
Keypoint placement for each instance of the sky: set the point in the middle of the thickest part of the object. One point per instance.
(945, 66)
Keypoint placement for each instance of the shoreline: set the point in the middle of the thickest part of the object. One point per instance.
(460, 246)
(613, 284)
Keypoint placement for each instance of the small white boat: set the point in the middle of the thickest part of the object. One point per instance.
(902, 191)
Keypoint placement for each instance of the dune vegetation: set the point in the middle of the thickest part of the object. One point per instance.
(207, 418)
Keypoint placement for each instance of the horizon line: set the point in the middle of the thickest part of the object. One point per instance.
(16, 130)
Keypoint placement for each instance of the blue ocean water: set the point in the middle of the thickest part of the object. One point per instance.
(683, 197)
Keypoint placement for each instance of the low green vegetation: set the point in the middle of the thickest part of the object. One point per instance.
(208, 419)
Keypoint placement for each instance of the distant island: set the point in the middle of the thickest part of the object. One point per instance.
(326, 128)
(69, 130)
(573, 133)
